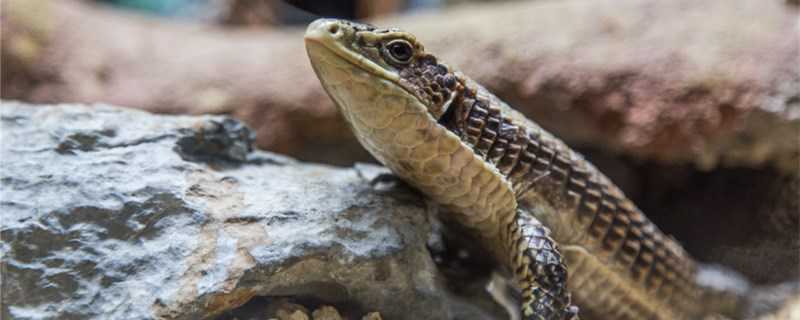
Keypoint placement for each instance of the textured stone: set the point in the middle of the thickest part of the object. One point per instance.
(790, 311)
(118, 213)
(372, 316)
(112, 213)
(296, 315)
(673, 81)
(326, 313)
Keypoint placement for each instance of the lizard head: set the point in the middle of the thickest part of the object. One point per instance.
(371, 61)
(395, 97)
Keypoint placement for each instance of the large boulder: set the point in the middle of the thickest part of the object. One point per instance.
(113, 213)
(707, 83)
(122, 214)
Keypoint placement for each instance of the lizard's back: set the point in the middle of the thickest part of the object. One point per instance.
(621, 265)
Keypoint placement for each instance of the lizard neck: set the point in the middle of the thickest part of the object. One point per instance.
(476, 118)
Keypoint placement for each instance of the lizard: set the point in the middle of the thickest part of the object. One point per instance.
(561, 228)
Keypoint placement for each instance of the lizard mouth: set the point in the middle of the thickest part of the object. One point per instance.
(329, 35)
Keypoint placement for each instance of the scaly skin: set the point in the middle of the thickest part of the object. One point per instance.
(508, 180)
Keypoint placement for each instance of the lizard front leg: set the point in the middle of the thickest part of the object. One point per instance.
(539, 270)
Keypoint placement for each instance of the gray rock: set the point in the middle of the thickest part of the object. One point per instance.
(114, 213)
(111, 213)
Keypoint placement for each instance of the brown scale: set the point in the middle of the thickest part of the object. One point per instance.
(668, 287)
(674, 292)
(489, 133)
(628, 246)
(524, 174)
(633, 247)
(464, 117)
(644, 260)
(560, 169)
(506, 133)
(576, 186)
(659, 273)
(521, 168)
(617, 232)
(629, 250)
(476, 121)
(678, 277)
(511, 158)
(656, 277)
(590, 202)
(526, 158)
(640, 268)
(432, 82)
(573, 198)
(603, 219)
(544, 158)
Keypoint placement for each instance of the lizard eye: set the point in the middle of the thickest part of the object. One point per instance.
(399, 51)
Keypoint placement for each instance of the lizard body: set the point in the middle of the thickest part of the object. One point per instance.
(518, 188)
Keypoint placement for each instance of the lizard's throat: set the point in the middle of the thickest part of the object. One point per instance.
(379, 111)
(360, 95)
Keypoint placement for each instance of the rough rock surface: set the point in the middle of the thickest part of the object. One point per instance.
(676, 81)
(118, 213)
(113, 213)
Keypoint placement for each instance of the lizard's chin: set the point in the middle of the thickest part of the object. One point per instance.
(323, 42)
(376, 109)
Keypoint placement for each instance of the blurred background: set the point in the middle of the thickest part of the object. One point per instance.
(692, 107)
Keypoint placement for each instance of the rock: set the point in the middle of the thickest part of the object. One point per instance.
(790, 311)
(261, 308)
(372, 316)
(760, 209)
(118, 213)
(678, 82)
(113, 213)
(290, 311)
(326, 313)
(776, 302)
(296, 315)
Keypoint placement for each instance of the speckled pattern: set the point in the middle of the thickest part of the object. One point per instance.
(486, 162)
(104, 216)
